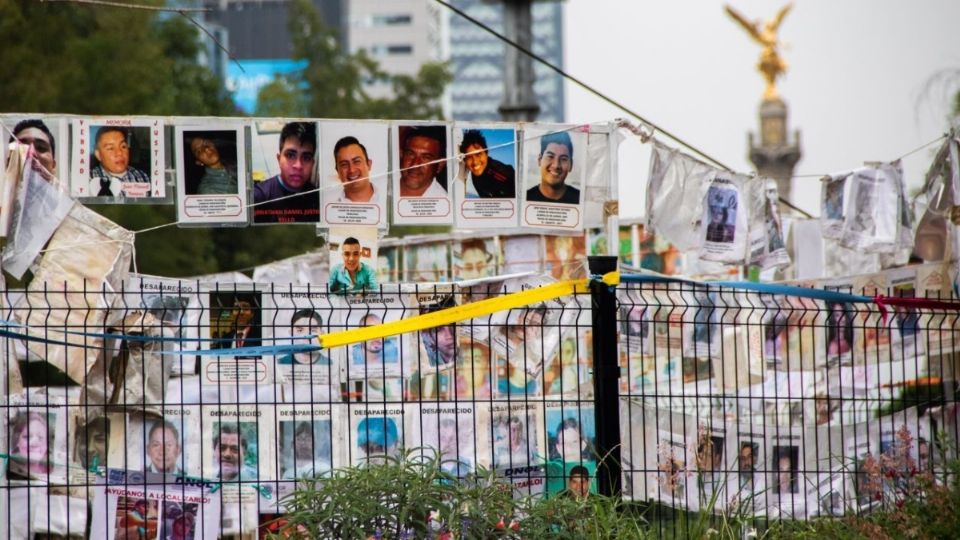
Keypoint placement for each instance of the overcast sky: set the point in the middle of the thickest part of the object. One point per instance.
(855, 83)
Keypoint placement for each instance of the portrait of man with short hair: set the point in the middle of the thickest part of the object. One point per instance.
(290, 196)
(555, 164)
(117, 163)
(423, 166)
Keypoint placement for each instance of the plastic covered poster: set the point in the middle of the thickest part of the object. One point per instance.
(767, 232)
(427, 263)
(284, 172)
(725, 218)
(238, 443)
(353, 178)
(435, 355)
(555, 168)
(310, 440)
(832, 198)
(485, 185)
(566, 256)
(49, 137)
(675, 197)
(378, 431)
(36, 425)
(475, 258)
(516, 435)
(353, 259)
(234, 319)
(873, 215)
(570, 442)
(449, 431)
(521, 253)
(211, 174)
(421, 174)
(118, 159)
(175, 304)
(301, 314)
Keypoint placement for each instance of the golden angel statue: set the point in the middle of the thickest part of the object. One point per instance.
(771, 65)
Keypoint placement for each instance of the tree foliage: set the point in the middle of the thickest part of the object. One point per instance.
(339, 84)
(86, 59)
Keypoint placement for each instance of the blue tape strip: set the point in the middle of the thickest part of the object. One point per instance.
(265, 350)
(767, 288)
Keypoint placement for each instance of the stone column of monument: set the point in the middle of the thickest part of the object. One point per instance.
(776, 154)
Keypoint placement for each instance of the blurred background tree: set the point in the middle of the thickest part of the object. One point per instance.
(85, 59)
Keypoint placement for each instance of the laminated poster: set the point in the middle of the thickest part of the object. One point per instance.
(554, 179)
(116, 159)
(450, 431)
(234, 318)
(52, 151)
(421, 174)
(485, 185)
(300, 314)
(211, 174)
(353, 177)
(284, 172)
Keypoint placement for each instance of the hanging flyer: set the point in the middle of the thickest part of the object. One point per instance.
(283, 157)
(300, 314)
(553, 179)
(134, 505)
(353, 177)
(49, 137)
(485, 185)
(116, 159)
(211, 174)
(421, 177)
(725, 218)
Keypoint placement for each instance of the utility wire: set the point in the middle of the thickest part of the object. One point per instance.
(599, 94)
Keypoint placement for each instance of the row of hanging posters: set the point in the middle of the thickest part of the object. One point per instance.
(231, 171)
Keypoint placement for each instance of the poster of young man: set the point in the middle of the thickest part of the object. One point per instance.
(284, 172)
(448, 431)
(427, 263)
(474, 258)
(353, 260)
(49, 137)
(310, 439)
(211, 174)
(300, 315)
(116, 159)
(233, 319)
(378, 432)
(570, 441)
(353, 177)
(555, 168)
(485, 185)
(421, 174)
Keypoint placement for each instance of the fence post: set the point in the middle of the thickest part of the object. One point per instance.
(606, 372)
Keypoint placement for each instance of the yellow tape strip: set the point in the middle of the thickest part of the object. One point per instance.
(464, 312)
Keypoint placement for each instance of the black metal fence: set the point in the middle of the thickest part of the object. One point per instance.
(181, 408)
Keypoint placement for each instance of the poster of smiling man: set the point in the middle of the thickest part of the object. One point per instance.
(555, 164)
(210, 165)
(353, 177)
(485, 186)
(115, 159)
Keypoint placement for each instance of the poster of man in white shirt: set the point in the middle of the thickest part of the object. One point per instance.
(420, 175)
(353, 161)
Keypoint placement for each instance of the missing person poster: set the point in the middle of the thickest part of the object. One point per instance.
(873, 331)
(485, 185)
(475, 258)
(171, 445)
(521, 253)
(555, 175)
(310, 440)
(300, 315)
(449, 432)
(421, 174)
(353, 259)
(36, 425)
(380, 357)
(513, 435)
(211, 174)
(238, 443)
(116, 159)
(906, 319)
(233, 319)
(353, 178)
(570, 441)
(131, 505)
(434, 354)
(49, 137)
(284, 172)
(670, 480)
(378, 431)
(725, 218)
(786, 477)
(427, 263)
(565, 257)
(529, 337)
(176, 305)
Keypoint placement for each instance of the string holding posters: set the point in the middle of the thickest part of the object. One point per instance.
(421, 183)
(49, 137)
(211, 160)
(300, 314)
(554, 175)
(354, 174)
(118, 159)
(485, 185)
(283, 171)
